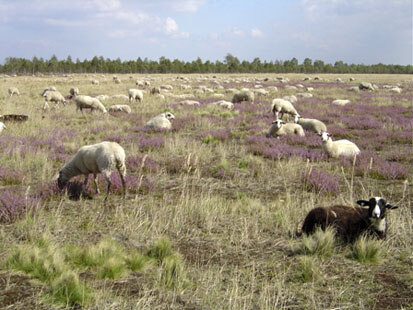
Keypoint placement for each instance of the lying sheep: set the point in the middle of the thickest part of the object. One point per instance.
(311, 124)
(161, 121)
(55, 96)
(341, 102)
(2, 127)
(243, 95)
(396, 89)
(74, 91)
(350, 222)
(13, 91)
(102, 158)
(366, 86)
(189, 102)
(121, 97)
(280, 128)
(305, 95)
(354, 88)
(117, 81)
(95, 82)
(120, 108)
(155, 90)
(281, 106)
(224, 104)
(87, 102)
(135, 94)
(167, 87)
(261, 92)
(338, 148)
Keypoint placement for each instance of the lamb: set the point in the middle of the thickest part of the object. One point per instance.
(120, 108)
(87, 102)
(55, 96)
(243, 95)
(102, 158)
(340, 102)
(2, 127)
(311, 124)
(135, 94)
(338, 148)
(280, 128)
(351, 222)
(161, 121)
(74, 91)
(13, 91)
(282, 106)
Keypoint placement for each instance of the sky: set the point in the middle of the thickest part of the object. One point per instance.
(354, 31)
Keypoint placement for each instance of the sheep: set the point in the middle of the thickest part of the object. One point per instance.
(121, 97)
(87, 102)
(120, 108)
(366, 86)
(340, 102)
(224, 104)
(155, 90)
(311, 124)
(292, 98)
(2, 127)
(305, 95)
(135, 94)
(117, 81)
(338, 148)
(282, 106)
(396, 90)
(102, 158)
(290, 87)
(189, 102)
(13, 91)
(139, 83)
(262, 92)
(167, 87)
(51, 88)
(161, 121)
(351, 222)
(354, 88)
(55, 96)
(280, 128)
(243, 95)
(95, 82)
(102, 97)
(74, 91)
(351, 79)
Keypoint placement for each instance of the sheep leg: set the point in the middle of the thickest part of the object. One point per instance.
(95, 177)
(85, 184)
(108, 186)
(123, 184)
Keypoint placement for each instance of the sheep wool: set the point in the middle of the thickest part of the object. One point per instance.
(87, 102)
(338, 148)
(161, 121)
(2, 126)
(135, 94)
(13, 91)
(282, 106)
(280, 128)
(120, 108)
(311, 124)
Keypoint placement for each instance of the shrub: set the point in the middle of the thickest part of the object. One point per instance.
(367, 250)
(320, 181)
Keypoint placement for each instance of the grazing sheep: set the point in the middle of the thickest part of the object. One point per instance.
(135, 94)
(2, 127)
(224, 104)
(309, 88)
(366, 86)
(351, 222)
(13, 91)
(74, 91)
(161, 121)
(87, 102)
(311, 124)
(243, 95)
(51, 88)
(339, 80)
(282, 106)
(340, 102)
(280, 128)
(155, 90)
(95, 82)
(55, 96)
(338, 148)
(102, 158)
(120, 108)
(272, 88)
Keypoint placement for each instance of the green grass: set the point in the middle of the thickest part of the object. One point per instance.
(321, 243)
(368, 250)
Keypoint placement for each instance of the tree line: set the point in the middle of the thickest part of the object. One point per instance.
(230, 64)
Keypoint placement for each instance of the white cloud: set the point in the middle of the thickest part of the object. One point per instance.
(106, 5)
(170, 26)
(237, 32)
(256, 33)
(185, 5)
(65, 22)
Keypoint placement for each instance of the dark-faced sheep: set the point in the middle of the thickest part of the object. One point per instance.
(351, 222)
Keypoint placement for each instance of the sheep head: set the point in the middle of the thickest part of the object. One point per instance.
(377, 207)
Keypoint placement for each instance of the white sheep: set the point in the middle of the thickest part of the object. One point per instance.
(74, 91)
(366, 86)
(161, 121)
(281, 106)
(13, 91)
(280, 128)
(51, 88)
(396, 89)
(311, 124)
(354, 88)
(139, 83)
(261, 92)
(102, 158)
(53, 95)
(189, 102)
(120, 108)
(167, 87)
(87, 102)
(292, 98)
(224, 104)
(95, 82)
(121, 97)
(135, 94)
(2, 126)
(340, 102)
(338, 148)
(243, 95)
(305, 95)
(102, 97)
(117, 81)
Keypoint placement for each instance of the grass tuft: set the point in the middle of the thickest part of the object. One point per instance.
(321, 243)
(367, 250)
(308, 269)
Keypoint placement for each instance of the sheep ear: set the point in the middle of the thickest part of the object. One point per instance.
(363, 203)
(391, 207)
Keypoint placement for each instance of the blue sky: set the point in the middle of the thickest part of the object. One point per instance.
(355, 31)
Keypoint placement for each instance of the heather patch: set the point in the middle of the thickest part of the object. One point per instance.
(321, 182)
(14, 204)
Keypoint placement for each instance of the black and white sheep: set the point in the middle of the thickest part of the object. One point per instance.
(280, 128)
(338, 148)
(351, 222)
(98, 158)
